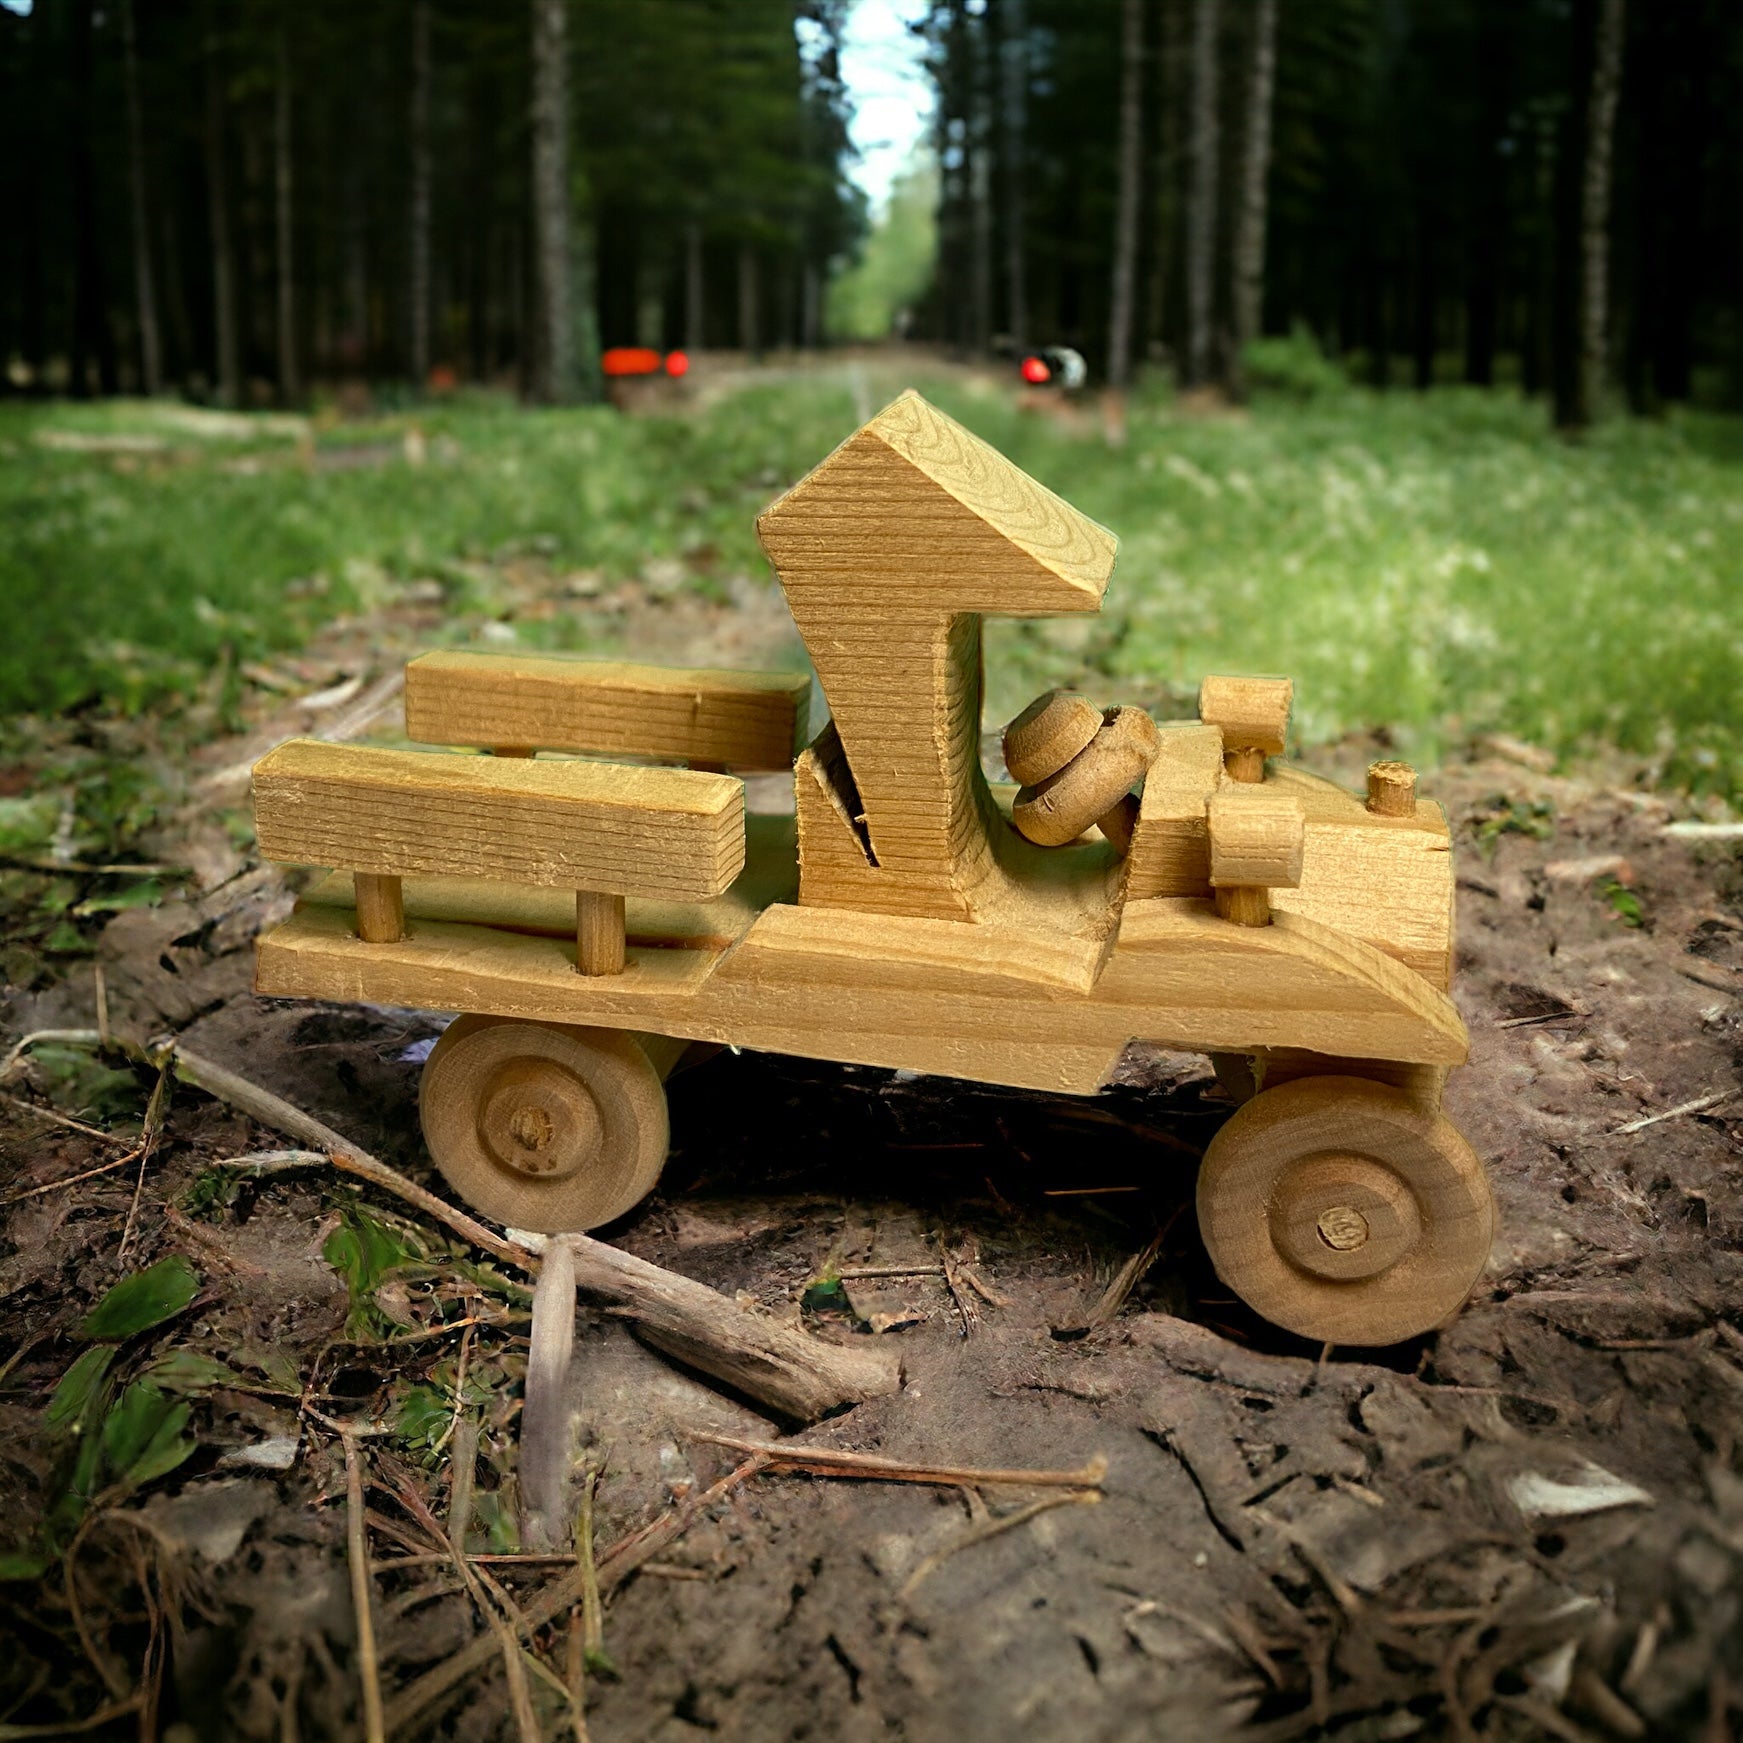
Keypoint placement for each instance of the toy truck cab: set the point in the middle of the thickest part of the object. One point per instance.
(588, 919)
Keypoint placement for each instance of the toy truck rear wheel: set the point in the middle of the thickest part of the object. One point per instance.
(1345, 1210)
(544, 1126)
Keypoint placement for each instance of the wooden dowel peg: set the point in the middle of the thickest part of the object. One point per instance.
(1392, 789)
(1245, 904)
(1254, 716)
(599, 937)
(380, 907)
(1244, 762)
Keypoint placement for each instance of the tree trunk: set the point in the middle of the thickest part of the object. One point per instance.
(290, 385)
(418, 350)
(1202, 194)
(1165, 207)
(1126, 213)
(693, 287)
(749, 337)
(1249, 262)
(1595, 207)
(92, 337)
(1016, 110)
(227, 353)
(145, 293)
(553, 371)
(810, 306)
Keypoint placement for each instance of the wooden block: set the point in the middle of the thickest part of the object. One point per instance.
(599, 933)
(667, 833)
(1253, 713)
(1385, 880)
(1048, 734)
(888, 552)
(380, 909)
(1170, 853)
(1256, 838)
(752, 720)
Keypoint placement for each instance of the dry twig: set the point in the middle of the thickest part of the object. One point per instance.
(357, 1556)
(829, 1462)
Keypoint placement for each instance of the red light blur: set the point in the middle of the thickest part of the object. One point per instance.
(630, 360)
(677, 363)
(1035, 371)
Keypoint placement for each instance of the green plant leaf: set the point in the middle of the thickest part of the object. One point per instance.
(80, 1387)
(23, 1564)
(140, 893)
(190, 1371)
(363, 1250)
(142, 1434)
(145, 1299)
(1624, 904)
(28, 825)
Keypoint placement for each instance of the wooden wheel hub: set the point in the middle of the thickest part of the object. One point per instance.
(1341, 1209)
(539, 1119)
(544, 1126)
(1344, 1216)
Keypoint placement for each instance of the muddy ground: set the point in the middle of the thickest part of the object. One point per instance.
(1528, 1525)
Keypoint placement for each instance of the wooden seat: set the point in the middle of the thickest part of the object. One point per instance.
(600, 829)
(522, 703)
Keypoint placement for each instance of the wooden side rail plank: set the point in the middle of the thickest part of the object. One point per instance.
(752, 720)
(670, 834)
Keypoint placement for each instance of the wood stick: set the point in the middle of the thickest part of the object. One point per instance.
(599, 932)
(797, 1375)
(380, 907)
(829, 1462)
(544, 1420)
(357, 1554)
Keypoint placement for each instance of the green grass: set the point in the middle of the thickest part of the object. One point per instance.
(1435, 565)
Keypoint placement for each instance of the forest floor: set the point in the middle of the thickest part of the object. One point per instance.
(1527, 1525)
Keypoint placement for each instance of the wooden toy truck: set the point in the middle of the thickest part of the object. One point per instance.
(589, 919)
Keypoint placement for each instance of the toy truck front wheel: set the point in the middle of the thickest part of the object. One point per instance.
(545, 1126)
(1345, 1210)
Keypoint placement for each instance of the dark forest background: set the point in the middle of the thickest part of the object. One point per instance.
(237, 200)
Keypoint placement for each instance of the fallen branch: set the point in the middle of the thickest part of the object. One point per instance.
(1714, 975)
(826, 1461)
(357, 1555)
(618, 1563)
(797, 1375)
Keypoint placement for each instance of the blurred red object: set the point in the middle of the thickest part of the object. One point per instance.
(630, 360)
(442, 379)
(677, 363)
(1035, 371)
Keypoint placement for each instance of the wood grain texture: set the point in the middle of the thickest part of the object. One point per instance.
(1252, 712)
(1386, 881)
(976, 1001)
(888, 552)
(751, 720)
(1048, 734)
(771, 874)
(1345, 1211)
(541, 1126)
(668, 833)
(1391, 789)
(1170, 854)
(599, 932)
(1257, 837)
(380, 909)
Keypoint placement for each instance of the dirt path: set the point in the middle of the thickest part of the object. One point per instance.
(1529, 1525)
